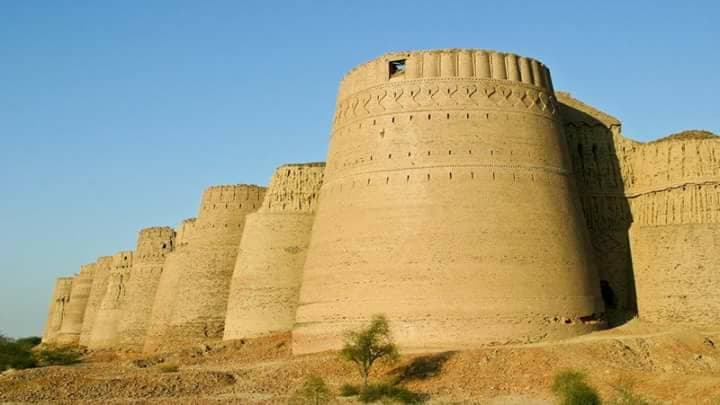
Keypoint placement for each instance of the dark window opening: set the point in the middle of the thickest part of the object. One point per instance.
(396, 67)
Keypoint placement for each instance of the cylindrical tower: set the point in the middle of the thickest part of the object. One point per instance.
(266, 281)
(56, 312)
(202, 291)
(448, 204)
(75, 312)
(104, 332)
(97, 292)
(148, 260)
(173, 269)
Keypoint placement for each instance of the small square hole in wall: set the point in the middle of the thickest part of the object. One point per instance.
(396, 67)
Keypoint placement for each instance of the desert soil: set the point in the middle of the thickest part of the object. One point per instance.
(668, 365)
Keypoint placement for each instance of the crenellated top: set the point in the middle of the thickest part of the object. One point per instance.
(122, 260)
(154, 243)
(294, 188)
(87, 270)
(104, 262)
(467, 64)
(184, 231)
(218, 196)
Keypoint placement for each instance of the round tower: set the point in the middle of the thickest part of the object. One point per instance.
(75, 312)
(174, 268)
(153, 245)
(675, 235)
(266, 281)
(97, 291)
(56, 312)
(104, 332)
(202, 291)
(448, 204)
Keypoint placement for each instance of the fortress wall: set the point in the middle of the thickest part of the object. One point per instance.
(601, 160)
(202, 292)
(58, 306)
(675, 200)
(104, 332)
(677, 270)
(174, 268)
(268, 272)
(153, 245)
(97, 292)
(75, 312)
(448, 204)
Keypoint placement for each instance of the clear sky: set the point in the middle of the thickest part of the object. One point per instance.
(115, 115)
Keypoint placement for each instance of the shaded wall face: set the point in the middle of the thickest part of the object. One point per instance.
(104, 333)
(600, 165)
(444, 196)
(202, 291)
(268, 271)
(152, 247)
(97, 292)
(75, 312)
(56, 312)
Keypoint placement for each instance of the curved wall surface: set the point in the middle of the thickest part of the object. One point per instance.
(104, 332)
(148, 260)
(97, 292)
(75, 312)
(268, 272)
(173, 269)
(56, 312)
(198, 312)
(449, 205)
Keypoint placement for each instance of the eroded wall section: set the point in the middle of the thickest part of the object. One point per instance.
(58, 306)
(104, 332)
(202, 291)
(268, 272)
(153, 244)
(175, 267)
(75, 312)
(97, 292)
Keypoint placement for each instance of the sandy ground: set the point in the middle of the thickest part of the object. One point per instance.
(675, 366)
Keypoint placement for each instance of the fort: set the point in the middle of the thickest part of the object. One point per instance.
(462, 196)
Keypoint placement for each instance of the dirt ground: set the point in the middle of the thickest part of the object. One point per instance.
(675, 366)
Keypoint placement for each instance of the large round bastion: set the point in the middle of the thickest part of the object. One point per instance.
(268, 272)
(174, 268)
(104, 334)
(201, 293)
(75, 312)
(449, 205)
(56, 310)
(97, 292)
(153, 244)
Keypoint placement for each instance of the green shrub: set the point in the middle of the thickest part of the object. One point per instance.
(571, 389)
(378, 392)
(369, 344)
(13, 355)
(169, 368)
(349, 390)
(314, 391)
(60, 356)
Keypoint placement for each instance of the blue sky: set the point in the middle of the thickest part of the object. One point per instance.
(114, 115)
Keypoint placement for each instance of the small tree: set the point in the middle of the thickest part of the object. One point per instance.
(314, 391)
(367, 345)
